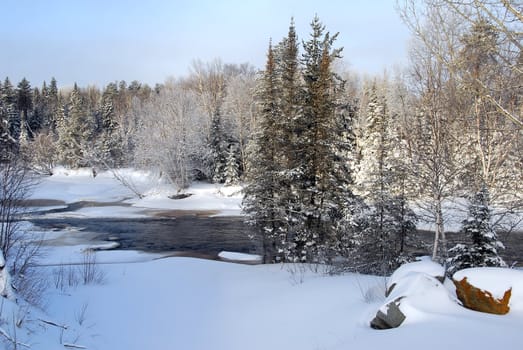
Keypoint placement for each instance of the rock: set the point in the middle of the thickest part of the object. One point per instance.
(391, 318)
(180, 196)
(481, 300)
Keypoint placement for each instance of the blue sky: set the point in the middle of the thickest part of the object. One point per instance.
(99, 41)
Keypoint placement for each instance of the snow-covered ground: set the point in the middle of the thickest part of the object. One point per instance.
(184, 303)
(145, 301)
(120, 200)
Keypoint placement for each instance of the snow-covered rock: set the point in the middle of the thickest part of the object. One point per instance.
(496, 281)
(424, 265)
(415, 290)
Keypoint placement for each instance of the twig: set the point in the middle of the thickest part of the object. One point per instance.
(8, 337)
(51, 323)
(74, 346)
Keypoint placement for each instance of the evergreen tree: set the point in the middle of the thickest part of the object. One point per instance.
(389, 219)
(262, 192)
(37, 118)
(109, 143)
(483, 250)
(232, 169)
(24, 101)
(53, 108)
(287, 130)
(322, 186)
(299, 192)
(218, 149)
(10, 118)
(74, 131)
(4, 128)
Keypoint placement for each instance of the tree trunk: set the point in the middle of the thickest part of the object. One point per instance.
(439, 234)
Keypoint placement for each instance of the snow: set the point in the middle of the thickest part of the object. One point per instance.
(150, 301)
(420, 294)
(240, 257)
(203, 197)
(185, 303)
(71, 186)
(424, 265)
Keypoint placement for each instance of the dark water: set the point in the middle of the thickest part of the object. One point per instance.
(513, 242)
(200, 235)
(207, 236)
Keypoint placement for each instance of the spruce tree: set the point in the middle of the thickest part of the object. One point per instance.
(232, 168)
(11, 117)
(218, 149)
(4, 128)
(36, 120)
(484, 246)
(24, 101)
(322, 185)
(74, 131)
(389, 219)
(262, 193)
(287, 131)
(108, 141)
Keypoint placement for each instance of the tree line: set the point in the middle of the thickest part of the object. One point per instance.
(333, 163)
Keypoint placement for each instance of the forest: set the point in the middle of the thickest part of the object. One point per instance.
(336, 166)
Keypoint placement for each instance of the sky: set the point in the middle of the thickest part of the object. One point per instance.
(94, 42)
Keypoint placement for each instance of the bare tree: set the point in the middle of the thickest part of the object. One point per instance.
(505, 16)
(477, 46)
(239, 109)
(434, 138)
(18, 247)
(208, 81)
(170, 135)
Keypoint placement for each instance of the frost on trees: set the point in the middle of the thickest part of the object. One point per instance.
(389, 220)
(299, 193)
(484, 246)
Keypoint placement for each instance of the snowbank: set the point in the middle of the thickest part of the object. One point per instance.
(112, 187)
(425, 265)
(232, 256)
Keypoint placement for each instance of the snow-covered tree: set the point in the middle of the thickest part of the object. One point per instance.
(323, 192)
(303, 199)
(10, 118)
(379, 181)
(108, 142)
(169, 134)
(262, 200)
(217, 146)
(232, 168)
(239, 109)
(484, 247)
(75, 129)
(24, 101)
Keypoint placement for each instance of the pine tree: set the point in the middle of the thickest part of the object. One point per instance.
(389, 219)
(109, 143)
(299, 187)
(53, 108)
(11, 117)
(262, 192)
(37, 118)
(4, 128)
(483, 250)
(232, 169)
(74, 131)
(24, 101)
(218, 149)
(323, 186)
